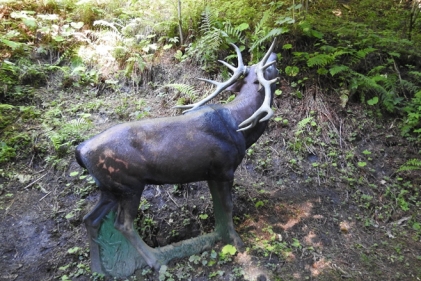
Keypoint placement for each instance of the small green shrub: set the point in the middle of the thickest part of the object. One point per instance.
(412, 123)
(6, 152)
(411, 165)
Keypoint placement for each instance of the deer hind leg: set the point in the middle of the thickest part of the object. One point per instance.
(126, 214)
(222, 206)
(92, 221)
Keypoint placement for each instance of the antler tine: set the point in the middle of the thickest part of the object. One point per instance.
(265, 108)
(220, 86)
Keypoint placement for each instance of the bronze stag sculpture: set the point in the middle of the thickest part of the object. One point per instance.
(205, 144)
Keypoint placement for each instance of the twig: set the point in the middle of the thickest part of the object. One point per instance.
(274, 150)
(44, 196)
(397, 71)
(318, 178)
(35, 181)
(172, 199)
(159, 191)
(8, 207)
(344, 273)
(340, 133)
(399, 74)
(399, 222)
(32, 158)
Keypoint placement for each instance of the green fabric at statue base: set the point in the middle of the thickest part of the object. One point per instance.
(118, 257)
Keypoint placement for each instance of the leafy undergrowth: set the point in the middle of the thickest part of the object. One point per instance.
(318, 197)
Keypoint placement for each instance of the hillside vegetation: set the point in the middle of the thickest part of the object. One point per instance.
(330, 191)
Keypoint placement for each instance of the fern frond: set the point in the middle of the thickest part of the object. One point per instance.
(205, 49)
(415, 73)
(55, 138)
(320, 60)
(106, 24)
(77, 122)
(208, 20)
(376, 70)
(304, 122)
(410, 165)
(273, 33)
(338, 69)
(213, 39)
(261, 24)
(386, 80)
(409, 86)
(5, 106)
(260, 30)
(233, 33)
(185, 89)
(365, 83)
(364, 52)
(339, 53)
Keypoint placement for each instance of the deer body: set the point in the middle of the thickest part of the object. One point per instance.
(202, 145)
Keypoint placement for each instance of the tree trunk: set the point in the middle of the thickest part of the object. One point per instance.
(180, 25)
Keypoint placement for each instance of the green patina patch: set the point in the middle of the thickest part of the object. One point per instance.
(118, 257)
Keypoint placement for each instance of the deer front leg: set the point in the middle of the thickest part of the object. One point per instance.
(222, 206)
(92, 222)
(126, 213)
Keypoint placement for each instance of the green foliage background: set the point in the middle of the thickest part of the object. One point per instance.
(362, 51)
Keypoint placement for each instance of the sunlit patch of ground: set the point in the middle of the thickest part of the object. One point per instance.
(251, 269)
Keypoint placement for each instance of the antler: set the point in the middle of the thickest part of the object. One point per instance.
(220, 86)
(265, 108)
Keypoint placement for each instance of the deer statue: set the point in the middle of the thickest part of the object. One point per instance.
(207, 143)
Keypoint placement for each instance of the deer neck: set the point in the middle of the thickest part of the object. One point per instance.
(243, 106)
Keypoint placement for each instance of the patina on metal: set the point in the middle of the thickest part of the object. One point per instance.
(207, 143)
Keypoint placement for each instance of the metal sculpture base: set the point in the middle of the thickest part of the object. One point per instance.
(119, 259)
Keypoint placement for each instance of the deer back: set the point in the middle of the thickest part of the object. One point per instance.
(203, 144)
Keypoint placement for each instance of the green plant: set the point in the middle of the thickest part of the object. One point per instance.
(218, 273)
(81, 76)
(226, 253)
(75, 211)
(147, 223)
(259, 204)
(205, 49)
(16, 141)
(165, 274)
(132, 51)
(6, 152)
(144, 204)
(234, 34)
(180, 56)
(412, 122)
(274, 245)
(18, 78)
(262, 33)
(186, 90)
(238, 272)
(203, 216)
(63, 136)
(410, 165)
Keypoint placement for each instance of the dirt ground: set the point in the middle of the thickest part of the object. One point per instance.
(312, 201)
